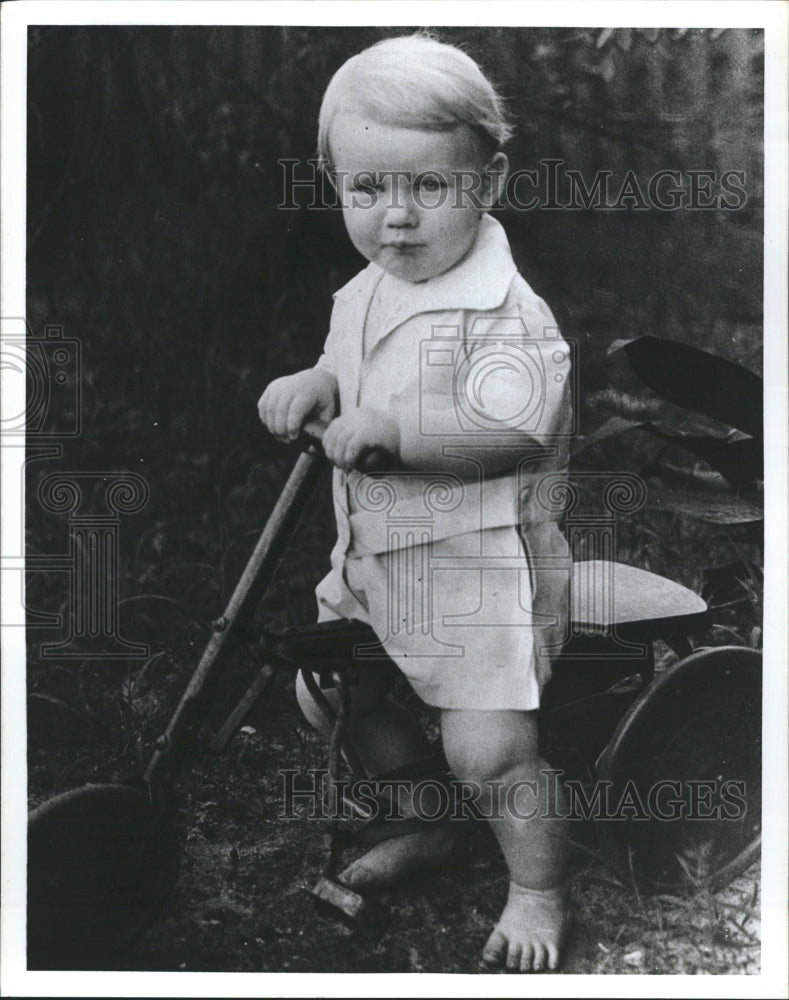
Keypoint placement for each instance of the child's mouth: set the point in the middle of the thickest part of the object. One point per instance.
(404, 248)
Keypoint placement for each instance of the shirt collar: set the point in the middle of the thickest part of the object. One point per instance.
(480, 281)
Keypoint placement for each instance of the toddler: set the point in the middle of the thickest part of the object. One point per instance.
(441, 354)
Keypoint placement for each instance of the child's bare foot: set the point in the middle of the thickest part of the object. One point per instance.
(392, 860)
(530, 933)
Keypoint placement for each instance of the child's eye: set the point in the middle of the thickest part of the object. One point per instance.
(430, 182)
(366, 183)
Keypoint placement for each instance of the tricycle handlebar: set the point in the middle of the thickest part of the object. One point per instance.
(374, 460)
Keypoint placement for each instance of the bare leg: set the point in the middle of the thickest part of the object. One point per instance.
(386, 737)
(487, 747)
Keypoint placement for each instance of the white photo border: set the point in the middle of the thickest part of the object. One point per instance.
(773, 17)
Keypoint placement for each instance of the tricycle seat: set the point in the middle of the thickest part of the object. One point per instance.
(606, 595)
(324, 647)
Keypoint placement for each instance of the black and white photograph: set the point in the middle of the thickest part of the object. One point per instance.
(394, 470)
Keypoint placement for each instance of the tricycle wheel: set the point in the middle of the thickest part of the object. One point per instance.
(102, 860)
(682, 773)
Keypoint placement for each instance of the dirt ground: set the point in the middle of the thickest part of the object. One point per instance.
(242, 901)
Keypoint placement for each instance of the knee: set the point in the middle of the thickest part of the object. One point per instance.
(485, 746)
(478, 764)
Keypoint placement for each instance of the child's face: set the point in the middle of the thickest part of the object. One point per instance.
(405, 194)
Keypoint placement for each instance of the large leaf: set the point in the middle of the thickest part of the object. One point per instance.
(707, 505)
(697, 380)
(740, 460)
(612, 427)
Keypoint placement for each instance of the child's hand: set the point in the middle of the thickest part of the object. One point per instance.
(288, 401)
(351, 435)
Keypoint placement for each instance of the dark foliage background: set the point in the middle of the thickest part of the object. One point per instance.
(155, 239)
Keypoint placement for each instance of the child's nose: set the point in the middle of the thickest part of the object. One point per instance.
(402, 211)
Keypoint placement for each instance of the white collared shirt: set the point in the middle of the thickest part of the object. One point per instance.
(437, 342)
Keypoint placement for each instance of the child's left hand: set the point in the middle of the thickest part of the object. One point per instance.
(351, 435)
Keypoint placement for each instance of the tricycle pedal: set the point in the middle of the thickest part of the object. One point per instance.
(340, 903)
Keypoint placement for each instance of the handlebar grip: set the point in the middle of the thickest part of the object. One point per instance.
(373, 460)
(311, 435)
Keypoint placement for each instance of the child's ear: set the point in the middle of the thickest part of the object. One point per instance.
(327, 170)
(494, 178)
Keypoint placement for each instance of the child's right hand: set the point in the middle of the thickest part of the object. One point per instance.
(288, 401)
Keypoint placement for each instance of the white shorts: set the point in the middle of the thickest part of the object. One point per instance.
(455, 615)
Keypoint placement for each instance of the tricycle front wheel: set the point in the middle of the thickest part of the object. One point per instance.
(682, 773)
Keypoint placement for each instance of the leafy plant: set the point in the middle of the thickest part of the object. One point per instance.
(708, 465)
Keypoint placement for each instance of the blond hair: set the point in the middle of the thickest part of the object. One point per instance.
(415, 81)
